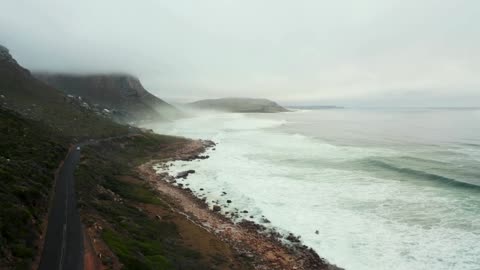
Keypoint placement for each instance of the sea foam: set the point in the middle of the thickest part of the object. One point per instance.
(367, 216)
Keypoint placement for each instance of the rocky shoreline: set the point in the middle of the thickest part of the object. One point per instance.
(265, 247)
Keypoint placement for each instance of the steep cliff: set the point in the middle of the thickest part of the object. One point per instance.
(120, 93)
(33, 99)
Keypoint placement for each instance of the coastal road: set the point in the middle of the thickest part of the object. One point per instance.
(63, 246)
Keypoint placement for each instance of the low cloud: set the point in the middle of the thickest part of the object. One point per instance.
(348, 52)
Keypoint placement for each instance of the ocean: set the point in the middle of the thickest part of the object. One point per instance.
(365, 188)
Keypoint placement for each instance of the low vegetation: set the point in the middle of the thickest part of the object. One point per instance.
(29, 154)
(111, 195)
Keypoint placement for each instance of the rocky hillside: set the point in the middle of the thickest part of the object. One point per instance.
(22, 93)
(121, 94)
(243, 105)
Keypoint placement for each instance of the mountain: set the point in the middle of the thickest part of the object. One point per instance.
(121, 94)
(315, 107)
(32, 99)
(243, 105)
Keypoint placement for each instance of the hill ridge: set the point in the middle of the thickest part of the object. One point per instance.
(238, 104)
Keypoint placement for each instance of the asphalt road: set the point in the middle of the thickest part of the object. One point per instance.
(63, 246)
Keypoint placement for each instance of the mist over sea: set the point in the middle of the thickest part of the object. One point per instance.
(384, 188)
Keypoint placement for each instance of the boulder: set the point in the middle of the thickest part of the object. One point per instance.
(265, 220)
(184, 174)
(292, 238)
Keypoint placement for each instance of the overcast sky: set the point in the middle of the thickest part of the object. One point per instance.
(346, 52)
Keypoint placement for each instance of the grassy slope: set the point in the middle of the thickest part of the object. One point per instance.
(137, 238)
(29, 154)
(139, 241)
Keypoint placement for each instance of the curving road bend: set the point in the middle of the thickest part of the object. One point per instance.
(63, 246)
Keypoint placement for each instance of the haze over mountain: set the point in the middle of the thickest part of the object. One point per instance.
(120, 92)
(370, 53)
(33, 99)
